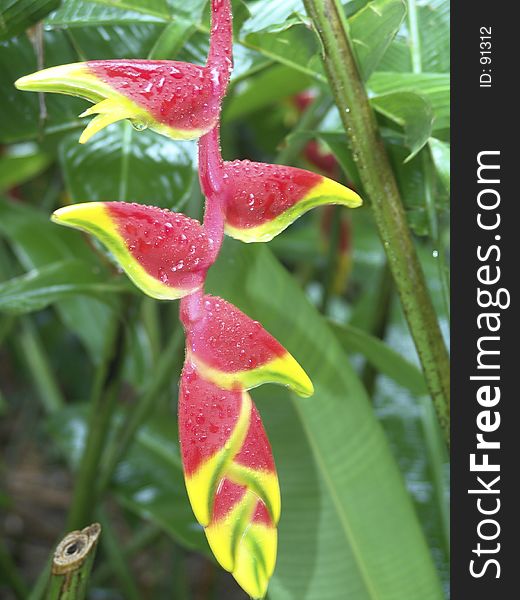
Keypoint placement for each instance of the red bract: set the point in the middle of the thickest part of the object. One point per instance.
(182, 96)
(166, 254)
(235, 352)
(228, 464)
(264, 199)
(325, 161)
(177, 99)
(230, 477)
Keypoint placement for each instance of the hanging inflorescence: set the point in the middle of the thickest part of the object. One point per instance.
(228, 464)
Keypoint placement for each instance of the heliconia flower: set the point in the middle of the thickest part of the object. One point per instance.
(165, 254)
(230, 478)
(264, 199)
(173, 98)
(177, 99)
(233, 351)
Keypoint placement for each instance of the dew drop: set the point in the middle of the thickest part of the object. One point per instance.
(138, 125)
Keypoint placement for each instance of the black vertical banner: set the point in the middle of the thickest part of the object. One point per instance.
(485, 325)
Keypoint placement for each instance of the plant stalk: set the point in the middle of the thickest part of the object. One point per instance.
(381, 189)
(72, 563)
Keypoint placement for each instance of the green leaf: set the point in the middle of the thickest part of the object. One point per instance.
(173, 37)
(411, 112)
(37, 243)
(433, 28)
(337, 142)
(22, 117)
(291, 44)
(434, 33)
(21, 165)
(127, 165)
(41, 287)
(434, 87)
(110, 12)
(134, 40)
(441, 158)
(372, 29)
(17, 15)
(270, 14)
(381, 356)
(150, 483)
(338, 537)
(280, 32)
(97, 12)
(265, 89)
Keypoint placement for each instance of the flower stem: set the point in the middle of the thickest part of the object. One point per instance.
(220, 56)
(381, 189)
(9, 574)
(211, 174)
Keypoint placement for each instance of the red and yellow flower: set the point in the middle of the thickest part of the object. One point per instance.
(233, 351)
(177, 99)
(230, 477)
(264, 199)
(165, 254)
(229, 468)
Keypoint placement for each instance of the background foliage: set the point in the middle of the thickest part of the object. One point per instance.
(362, 465)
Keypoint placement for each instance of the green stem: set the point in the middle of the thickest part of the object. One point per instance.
(381, 189)
(332, 259)
(379, 324)
(102, 406)
(72, 563)
(30, 349)
(34, 355)
(40, 585)
(437, 457)
(415, 38)
(152, 323)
